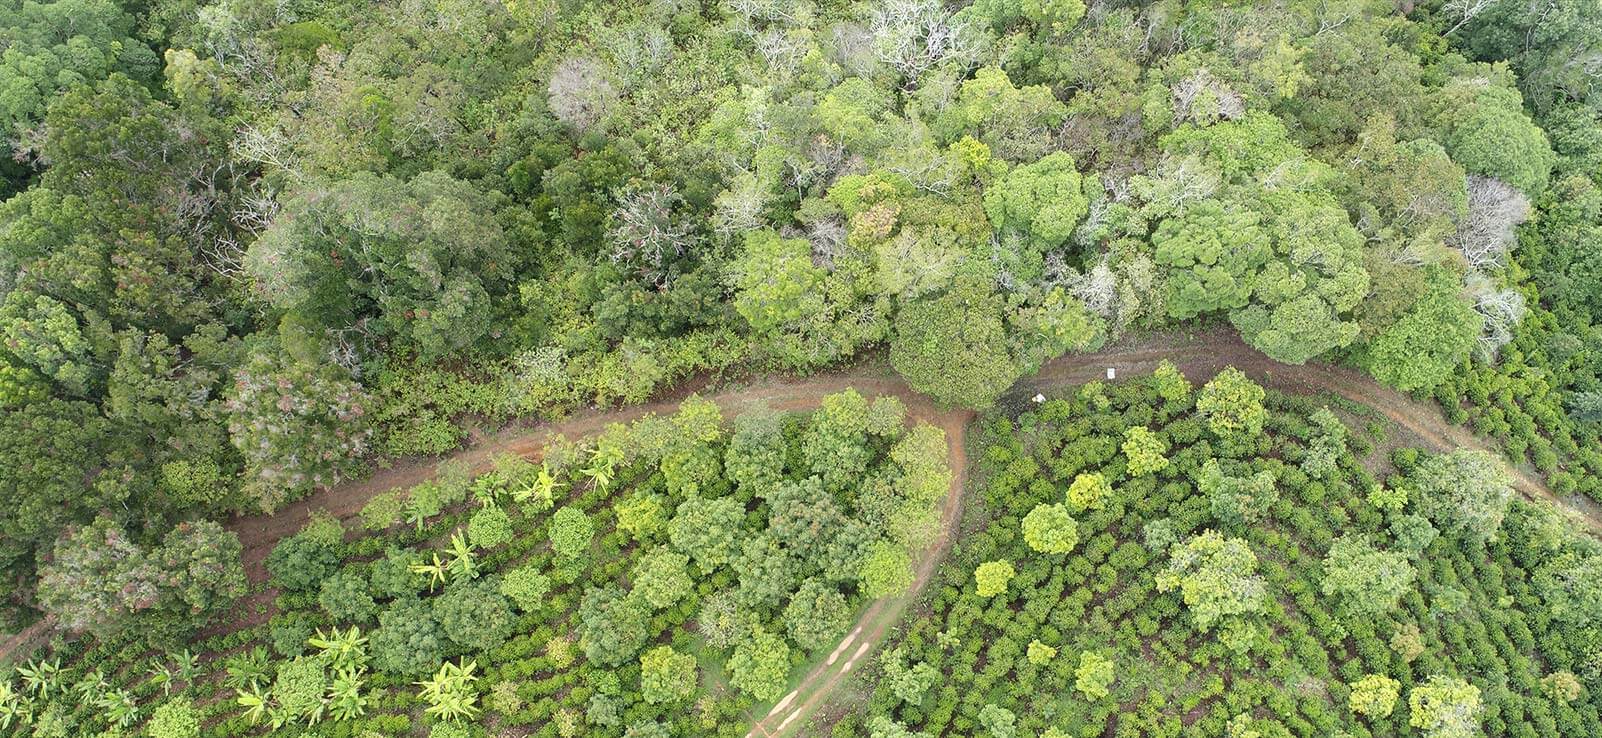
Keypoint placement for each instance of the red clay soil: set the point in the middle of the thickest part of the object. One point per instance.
(1198, 355)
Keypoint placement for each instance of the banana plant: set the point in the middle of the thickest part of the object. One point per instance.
(41, 677)
(603, 465)
(435, 571)
(187, 666)
(542, 490)
(450, 694)
(254, 700)
(247, 669)
(15, 707)
(91, 686)
(463, 564)
(345, 650)
(118, 708)
(160, 675)
(345, 698)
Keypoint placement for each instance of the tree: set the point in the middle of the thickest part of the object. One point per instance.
(817, 614)
(526, 586)
(298, 426)
(1445, 707)
(999, 721)
(1364, 580)
(1039, 653)
(475, 616)
(54, 46)
(776, 283)
(408, 640)
(1217, 578)
(1049, 529)
(1094, 676)
(174, 719)
(760, 665)
(1040, 202)
(1430, 341)
(666, 676)
(1171, 383)
(1214, 253)
(612, 627)
(1562, 686)
(571, 531)
(1571, 586)
(301, 562)
(418, 262)
(99, 579)
(705, 529)
(953, 346)
(1465, 492)
(1088, 490)
(1012, 121)
(1232, 404)
(660, 577)
(992, 577)
(489, 527)
(1237, 502)
(1493, 136)
(580, 92)
(345, 598)
(886, 571)
(1374, 695)
(908, 683)
(1145, 451)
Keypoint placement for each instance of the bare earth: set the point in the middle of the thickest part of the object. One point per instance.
(1198, 355)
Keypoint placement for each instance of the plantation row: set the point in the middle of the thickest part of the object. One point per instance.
(1151, 561)
(658, 579)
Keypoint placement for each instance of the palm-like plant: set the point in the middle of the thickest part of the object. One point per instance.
(247, 669)
(345, 698)
(187, 666)
(91, 686)
(41, 677)
(160, 675)
(345, 650)
(254, 700)
(118, 708)
(603, 465)
(542, 489)
(463, 564)
(14, 706)
(450, 694)
(435, 571)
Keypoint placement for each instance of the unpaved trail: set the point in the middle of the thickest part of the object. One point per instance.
(1199, 355)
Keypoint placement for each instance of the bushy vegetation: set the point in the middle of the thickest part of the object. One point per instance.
(752, 556)
(1173, 617)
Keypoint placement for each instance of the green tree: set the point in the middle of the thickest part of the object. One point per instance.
(489, 527)
(1050, 529)
(1232, 404)
(1039, 653)
(1217, 578)
(1366, 581)
(526, 586)
(1237, 502)
(886, 571)
(612, 627)
(666, 676)
(1374, 695)
(1094, 675)
(1489, 133)
(705, 529)
(1445, 707)
(474, 615)
(571, 531)
(775, 281)
(660, 577)
(992, 577)
(911, 683)
(817, 614)
(998, 721)
(344, 596)
(55, 46)
(174, 719)
(1042, 203)
(408, 640)
(1214, 253)
(1088, 491)
(1145, 451)
(954, 347)
(1428, 343)
(1006, 118)
(760, 665)
(421, 261)
(1465, 492)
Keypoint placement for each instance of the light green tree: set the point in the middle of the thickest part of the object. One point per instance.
(1232, 404)
(1145, 451)
(1217, 578)
(1445, 707)
(1094, 676)
(1088, 491)
(666, 676)
(992, 577)
(1365, 580)
(1374, 695)
(1050, 529)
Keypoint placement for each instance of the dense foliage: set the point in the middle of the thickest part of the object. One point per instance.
(1173, 618)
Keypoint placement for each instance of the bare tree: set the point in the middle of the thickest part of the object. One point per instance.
(647, 234)
(1097, 289)
(580, 94)
(1486, 234)
(1502, 310)
(914, 36)
(739, 208)
(1465, 11)
(1203, 98)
